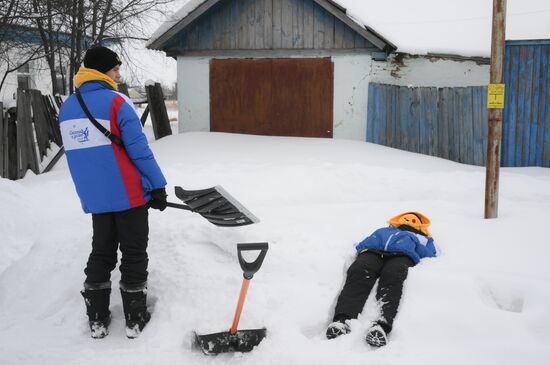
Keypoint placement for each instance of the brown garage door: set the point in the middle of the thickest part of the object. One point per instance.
(275, 97)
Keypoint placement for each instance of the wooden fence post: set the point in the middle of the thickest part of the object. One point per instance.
(3, 149)
(157, 108)
(144, 115)
(11, 161)
(26, 151)
(2, 134)
(51, 114)
(41, 125)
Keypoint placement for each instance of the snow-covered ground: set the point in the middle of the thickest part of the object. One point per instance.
(483, 301)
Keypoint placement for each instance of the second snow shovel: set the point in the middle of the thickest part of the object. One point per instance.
(216, 205)
(237, 340)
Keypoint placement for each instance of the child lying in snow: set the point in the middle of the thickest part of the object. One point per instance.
(386, 255)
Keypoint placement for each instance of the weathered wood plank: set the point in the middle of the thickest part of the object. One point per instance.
(206, 37)
(544, 105)
(527, 83)
(286, 24)
(329, 30)
(380, 124)
(39, 115)
(318, 27)
(277, 24)
(235, 25)
(505, 145)
(406, 116)
(308, 25)
(268, 24)
(415, 119)
(25, 136)
(217, 21)
(429, 127)
(468, 132)
(520, 123)
(546, 138)
(338, 34)
(373, 105)
(251, 23)
(443, 123)
(394, 95)
(298, 24)
(258, 23)
(533, 107)
(386, 97)
(157, 108)
(477, 136)
(226, 25)
(2, 140)
(485, 126)
(54, 130)
(12, 156)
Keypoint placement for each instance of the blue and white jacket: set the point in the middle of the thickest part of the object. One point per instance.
(394, 240)
(107, 177)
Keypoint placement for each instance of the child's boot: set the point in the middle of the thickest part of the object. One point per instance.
(376, 336)
(134, 302)
(96, 298)
(338, 327)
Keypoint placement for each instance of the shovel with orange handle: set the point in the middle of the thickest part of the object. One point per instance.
(236, 340)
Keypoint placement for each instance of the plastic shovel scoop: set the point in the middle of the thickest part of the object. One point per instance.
(216, 205)
(236, 340)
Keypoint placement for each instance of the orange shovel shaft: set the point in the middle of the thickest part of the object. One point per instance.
(240, 304)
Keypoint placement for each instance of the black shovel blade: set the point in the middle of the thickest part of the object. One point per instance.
(216, 205)
(241, 341)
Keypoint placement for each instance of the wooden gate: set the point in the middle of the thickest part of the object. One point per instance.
(275, 97)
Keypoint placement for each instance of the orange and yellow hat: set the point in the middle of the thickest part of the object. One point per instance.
(415, 220)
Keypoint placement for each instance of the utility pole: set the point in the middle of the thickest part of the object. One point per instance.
(495, 103)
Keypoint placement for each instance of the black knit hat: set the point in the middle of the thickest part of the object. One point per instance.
(101, 59)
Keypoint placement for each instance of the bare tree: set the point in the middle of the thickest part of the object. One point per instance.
(67, 28)
(15, 50)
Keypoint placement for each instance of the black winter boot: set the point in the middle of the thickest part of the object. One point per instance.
(134, 302)
(376, 336)
(96, 298)
(338, 327)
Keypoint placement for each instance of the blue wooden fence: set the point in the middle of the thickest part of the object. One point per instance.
(452, 122)
(443, 122)
(526, 120)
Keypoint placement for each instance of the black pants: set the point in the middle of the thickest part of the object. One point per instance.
(391, 270)
(130, 229)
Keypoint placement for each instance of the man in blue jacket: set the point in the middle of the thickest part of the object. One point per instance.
(386, 256)
(116, 184)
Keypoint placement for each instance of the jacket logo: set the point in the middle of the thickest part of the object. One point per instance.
(80, 135)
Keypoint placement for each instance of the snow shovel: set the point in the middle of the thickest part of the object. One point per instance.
(237, 340)
(216, 205)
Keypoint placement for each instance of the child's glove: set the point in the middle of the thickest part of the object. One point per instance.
(158, 199)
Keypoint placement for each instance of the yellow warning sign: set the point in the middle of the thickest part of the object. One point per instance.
(495, 96)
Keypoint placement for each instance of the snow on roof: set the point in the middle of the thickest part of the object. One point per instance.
(173, 19)
(430, 26)
(449, 26)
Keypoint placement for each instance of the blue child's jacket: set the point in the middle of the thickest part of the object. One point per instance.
(394, 240)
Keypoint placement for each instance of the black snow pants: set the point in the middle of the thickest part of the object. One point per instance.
(128, 228)
(390, 269)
